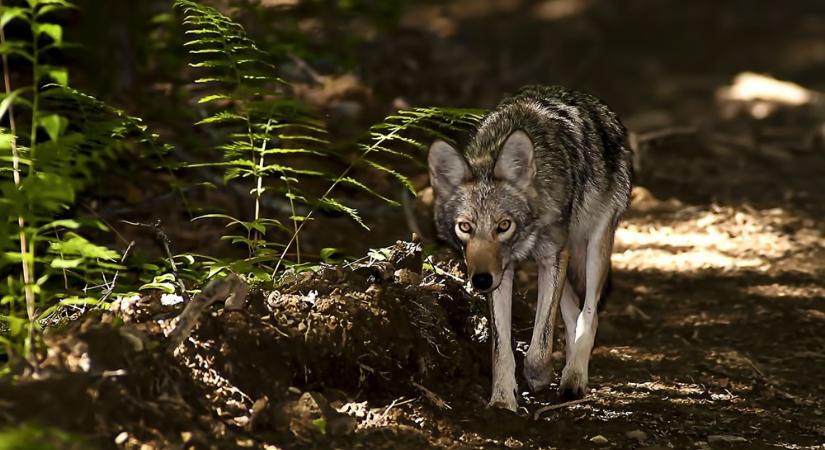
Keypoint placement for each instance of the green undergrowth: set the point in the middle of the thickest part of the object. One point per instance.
(56, 141)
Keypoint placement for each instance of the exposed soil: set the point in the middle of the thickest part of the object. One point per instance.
(712, 336)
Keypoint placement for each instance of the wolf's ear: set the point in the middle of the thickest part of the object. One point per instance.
(447, 167)
(515, 163)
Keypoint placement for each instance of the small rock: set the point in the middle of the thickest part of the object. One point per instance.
(599, 440)
(513, 443)
(406, 276)
(729, 439)
(121, 438)
(637, 435)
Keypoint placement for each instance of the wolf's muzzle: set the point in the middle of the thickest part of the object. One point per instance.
(482, 281)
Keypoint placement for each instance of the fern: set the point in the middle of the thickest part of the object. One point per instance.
(265, 125)
(405, 135)
(47, 156)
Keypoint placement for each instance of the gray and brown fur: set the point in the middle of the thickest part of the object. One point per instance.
(547, 176)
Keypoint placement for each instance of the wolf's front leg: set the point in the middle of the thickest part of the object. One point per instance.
(504, 363)
(538, 364)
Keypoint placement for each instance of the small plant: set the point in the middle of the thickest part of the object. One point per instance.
(56, 142)
(261, 124)
(58, 139)
(266, 129)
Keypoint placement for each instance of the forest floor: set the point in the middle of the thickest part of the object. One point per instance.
(711, 338)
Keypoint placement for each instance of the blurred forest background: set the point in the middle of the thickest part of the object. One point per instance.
(157, 173)
(660, 65)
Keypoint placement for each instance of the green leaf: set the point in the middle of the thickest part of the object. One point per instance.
(335, 205)
(52, 30)
(59, 74)
(165, 282)
(214, 97)
(74, 244)
(222, 117)
(12, 98)
(167, 288)
(63, 223)
(331, 255)
(321, 424)
(53, 124)
(11, 13)
(403, 179)
(60, 263)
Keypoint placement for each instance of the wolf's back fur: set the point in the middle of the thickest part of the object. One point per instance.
(580, 144)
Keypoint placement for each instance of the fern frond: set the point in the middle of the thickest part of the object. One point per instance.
(265, 126)
(408, 133)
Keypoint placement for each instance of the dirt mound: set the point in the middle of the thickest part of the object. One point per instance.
(296, 367)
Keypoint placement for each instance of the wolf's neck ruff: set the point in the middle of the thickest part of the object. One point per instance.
(546, 175)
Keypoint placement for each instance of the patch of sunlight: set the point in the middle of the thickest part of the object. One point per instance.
(749, 86)
(633, 354)
(673, 388)
(775, 290)
(791, 446)
(703, 319)
(719, 239)
(763, 94)
(560, 9)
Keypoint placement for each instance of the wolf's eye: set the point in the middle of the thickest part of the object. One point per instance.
(465, 227)
(504, 225)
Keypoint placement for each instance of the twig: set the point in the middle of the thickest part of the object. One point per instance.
(111, 287)
(164, 240)
(540, 411)
(377, 143)
(397, 402)
(408, 203)
(754, 366)
(432, 396)
(313, 75)
(216, 290)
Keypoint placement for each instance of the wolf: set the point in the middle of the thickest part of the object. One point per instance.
(546, 175)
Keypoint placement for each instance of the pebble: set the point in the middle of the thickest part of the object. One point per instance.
(599, 439)
(122, 438)
(726, 438)
(637, 435)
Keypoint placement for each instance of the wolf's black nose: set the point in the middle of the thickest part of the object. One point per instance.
(482, 281)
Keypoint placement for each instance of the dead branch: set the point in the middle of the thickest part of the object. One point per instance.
(166, 243)
(113, 284)
(216, 290)
(540, 411)
(432, 396)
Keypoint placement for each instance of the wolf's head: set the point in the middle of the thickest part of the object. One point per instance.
(486, 213)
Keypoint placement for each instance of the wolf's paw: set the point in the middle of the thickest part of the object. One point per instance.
(537, 374)
(509, 404)
(573, 383)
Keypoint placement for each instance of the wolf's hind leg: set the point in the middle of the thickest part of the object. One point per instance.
(504, 363)
(538, 364)
(599, 247)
